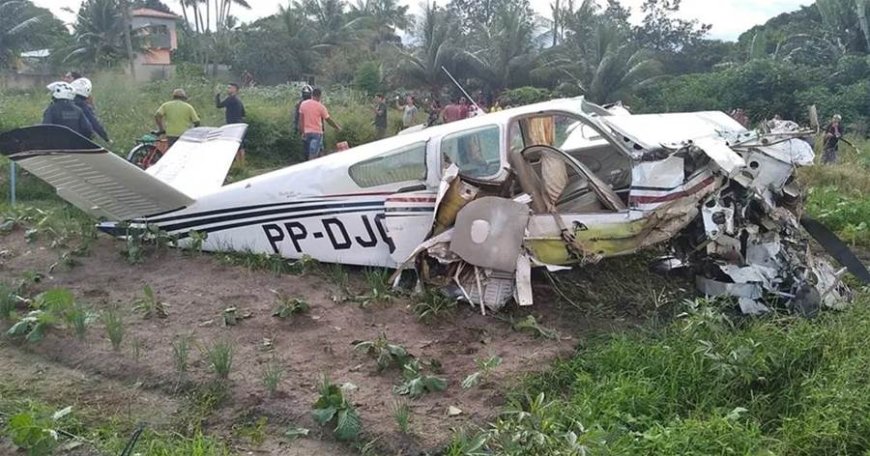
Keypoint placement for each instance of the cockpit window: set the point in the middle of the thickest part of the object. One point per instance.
(406, 164)
(476, 152)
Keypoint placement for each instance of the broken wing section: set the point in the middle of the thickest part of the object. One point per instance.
(90, 177)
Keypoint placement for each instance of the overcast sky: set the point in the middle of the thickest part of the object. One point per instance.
(729, 17)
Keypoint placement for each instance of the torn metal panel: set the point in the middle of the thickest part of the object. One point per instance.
(717, 149)
(523, 294)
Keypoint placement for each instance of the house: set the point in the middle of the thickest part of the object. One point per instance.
(160, 39)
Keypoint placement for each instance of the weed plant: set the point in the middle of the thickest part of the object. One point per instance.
(272, 376)
(220, 358)
(114, 327)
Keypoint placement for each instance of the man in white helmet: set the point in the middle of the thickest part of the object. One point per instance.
(82, 88)
(63, 111)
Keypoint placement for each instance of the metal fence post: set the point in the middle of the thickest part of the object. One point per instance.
(12, 183)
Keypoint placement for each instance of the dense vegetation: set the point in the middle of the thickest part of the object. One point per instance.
(815, 55)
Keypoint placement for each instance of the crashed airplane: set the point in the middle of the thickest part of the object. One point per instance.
(473, 205)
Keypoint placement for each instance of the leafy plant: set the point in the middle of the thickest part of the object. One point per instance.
(49, 308)
(36, 431)
(148, 304)
(385, 353)
(378, 287)
(303, 265)
(197, 238)
(79, 317)
(141, 241)
(295, 432)
(114, 327)
(416, 383)
(33, 326)
(530, 324)
(9, 301)
(433, 304)
(484, 369)
(332, 407)
(463, 444)
(272, 375)
(402, 415)
(220, 358)
(231, 316)
(255, 432)
(288, 307)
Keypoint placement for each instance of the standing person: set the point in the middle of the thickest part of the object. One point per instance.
(380, 116)
(234, 112)
(71, 76)
(452, 112)
(833, 133)
(434, 112)
(63, 111)
(312, 114)
(82, 88)
(409, 112)
(306, 95)
(463, 108)
(176, 116)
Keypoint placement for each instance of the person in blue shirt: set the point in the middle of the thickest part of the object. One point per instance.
(82, 88)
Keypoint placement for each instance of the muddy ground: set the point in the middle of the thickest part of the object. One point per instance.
(198, 287)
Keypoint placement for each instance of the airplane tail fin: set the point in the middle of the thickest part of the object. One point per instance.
(105, 185)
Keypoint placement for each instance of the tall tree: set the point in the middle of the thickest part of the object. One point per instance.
(20, 30)
(382, 18)
(502, 52)
(99, 34)
(422, 66)
(476, 13)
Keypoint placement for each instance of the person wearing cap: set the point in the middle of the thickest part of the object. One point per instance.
(833, 133)
(62, 110)
(82, 88)
(174, 117)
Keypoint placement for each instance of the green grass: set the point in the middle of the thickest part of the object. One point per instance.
(220, 358)
(705, 384)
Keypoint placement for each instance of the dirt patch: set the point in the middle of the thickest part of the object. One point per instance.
(198, 288)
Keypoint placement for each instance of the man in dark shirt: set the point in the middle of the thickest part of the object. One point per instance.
(62, 110)
(832, 139)
(235, 109)
(380, 117)
(235, 112)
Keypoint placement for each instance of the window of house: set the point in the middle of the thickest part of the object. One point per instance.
(476, 152)
(406, 164)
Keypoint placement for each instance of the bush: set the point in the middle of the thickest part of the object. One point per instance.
(524, 96)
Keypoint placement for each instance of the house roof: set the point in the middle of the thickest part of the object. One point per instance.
(148, 12)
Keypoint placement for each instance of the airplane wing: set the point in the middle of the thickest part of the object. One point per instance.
(198, 162)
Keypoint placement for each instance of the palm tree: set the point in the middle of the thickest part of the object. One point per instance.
(847, 19)
(504, 53)
(99, 33)
(617, 67)
(331, 23)
(19, 24)
(423, 65)
(382, 18)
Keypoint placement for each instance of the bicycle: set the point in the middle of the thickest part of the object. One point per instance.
(148, 150)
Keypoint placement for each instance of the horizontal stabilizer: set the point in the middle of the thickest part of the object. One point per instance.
(90, 177)
(198, 163)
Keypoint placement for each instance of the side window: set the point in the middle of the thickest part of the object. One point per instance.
(476, 152)
(407, 164)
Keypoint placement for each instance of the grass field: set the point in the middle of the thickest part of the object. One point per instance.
(695, 379)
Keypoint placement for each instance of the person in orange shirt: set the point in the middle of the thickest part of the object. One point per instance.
(312, 114)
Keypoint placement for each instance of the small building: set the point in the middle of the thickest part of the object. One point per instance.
(160, 38)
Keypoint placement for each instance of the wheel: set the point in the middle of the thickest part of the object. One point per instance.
(144, 155)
